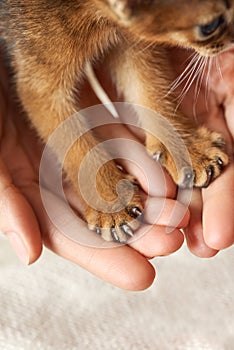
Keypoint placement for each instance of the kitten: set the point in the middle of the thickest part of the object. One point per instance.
(50, 42)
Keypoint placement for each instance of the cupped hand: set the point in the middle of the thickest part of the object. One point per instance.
(24, 220)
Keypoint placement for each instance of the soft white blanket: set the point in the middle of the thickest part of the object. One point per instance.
(56, 305)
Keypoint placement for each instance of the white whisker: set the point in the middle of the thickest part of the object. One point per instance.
(219, 67)
(188, 59)
(190, 81)
(207, 88)
(199, 85)
(184, 74)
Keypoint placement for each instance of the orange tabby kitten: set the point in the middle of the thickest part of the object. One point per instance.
(50, 42)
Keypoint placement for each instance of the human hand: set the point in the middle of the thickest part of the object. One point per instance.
(211, 226)
(24, 220)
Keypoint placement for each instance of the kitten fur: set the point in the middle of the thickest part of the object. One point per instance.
(51, 41)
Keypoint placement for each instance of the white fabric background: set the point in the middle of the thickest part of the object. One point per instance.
(57, 305)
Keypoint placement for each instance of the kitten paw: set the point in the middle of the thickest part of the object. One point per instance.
(208, 159)
(118, 227)
(208, 156)
(120, 223)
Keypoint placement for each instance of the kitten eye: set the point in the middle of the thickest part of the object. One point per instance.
(209, 29)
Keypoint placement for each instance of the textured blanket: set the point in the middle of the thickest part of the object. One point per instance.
(57, 305)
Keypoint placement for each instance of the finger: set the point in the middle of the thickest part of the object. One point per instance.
(194, 230)
(166, 212)
(218, 199)
(149, 174)
(162, 236)
(159, 237)
(218, 207)
(17, 220)
(152, 241)
(216, 121)
(122, 266)
(229, 110)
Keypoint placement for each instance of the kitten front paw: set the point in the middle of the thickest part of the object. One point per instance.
(118, 227)
(207, 154)
(117, 222)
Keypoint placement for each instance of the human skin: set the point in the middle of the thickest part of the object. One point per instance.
(25, 222)
(210, 228)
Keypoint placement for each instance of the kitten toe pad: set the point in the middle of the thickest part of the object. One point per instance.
(119, 226)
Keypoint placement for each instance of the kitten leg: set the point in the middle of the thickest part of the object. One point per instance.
(143, 76)
(48, 101)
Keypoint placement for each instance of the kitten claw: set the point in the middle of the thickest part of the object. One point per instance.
(188, 178)
(114, 234)
(157, 156)
(220, 163)
(210, 175)
(127, 230)
(135, 212)
(134, 182)
(98, 230)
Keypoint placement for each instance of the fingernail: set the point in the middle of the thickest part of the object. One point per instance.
(18, 247)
